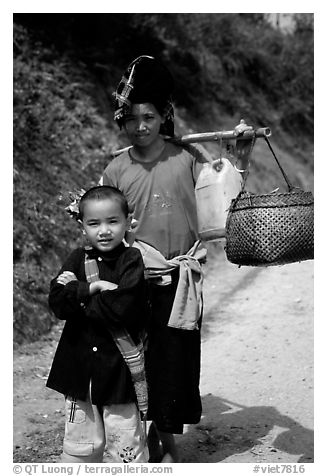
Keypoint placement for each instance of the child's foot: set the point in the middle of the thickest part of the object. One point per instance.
(168, 459)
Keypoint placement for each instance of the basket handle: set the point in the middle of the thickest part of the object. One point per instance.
(290, 186)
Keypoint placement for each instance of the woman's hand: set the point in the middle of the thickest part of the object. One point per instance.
(243, 147)
(241, 127)
(65, 277)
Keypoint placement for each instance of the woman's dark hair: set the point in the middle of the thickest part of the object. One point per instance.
(146, 80)
(102, 192)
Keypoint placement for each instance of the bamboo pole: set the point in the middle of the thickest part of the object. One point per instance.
(211, 137)
(223, 135)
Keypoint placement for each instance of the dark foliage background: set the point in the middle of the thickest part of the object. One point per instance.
(66, 66)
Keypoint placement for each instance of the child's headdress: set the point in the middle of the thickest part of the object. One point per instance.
(73, 208)
(146, 80)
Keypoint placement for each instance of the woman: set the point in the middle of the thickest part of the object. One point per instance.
(158, 177)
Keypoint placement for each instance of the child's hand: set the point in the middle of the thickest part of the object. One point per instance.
(101, 285)
(106, 285)
(66, 277)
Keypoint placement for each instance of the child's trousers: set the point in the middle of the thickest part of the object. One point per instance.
(112, 434)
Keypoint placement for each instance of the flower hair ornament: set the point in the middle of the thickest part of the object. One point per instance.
(73, 207)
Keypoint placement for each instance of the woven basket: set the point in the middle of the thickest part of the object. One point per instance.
(270, 229)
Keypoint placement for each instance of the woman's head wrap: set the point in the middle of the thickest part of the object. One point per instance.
(146, 80)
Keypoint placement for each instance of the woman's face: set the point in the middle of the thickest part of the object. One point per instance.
(142, 124)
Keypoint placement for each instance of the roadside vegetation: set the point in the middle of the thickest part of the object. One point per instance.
(66, 66)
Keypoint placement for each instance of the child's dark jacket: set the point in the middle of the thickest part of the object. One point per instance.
(86, 351)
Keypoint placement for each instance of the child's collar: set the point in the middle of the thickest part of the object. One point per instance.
(106, 256)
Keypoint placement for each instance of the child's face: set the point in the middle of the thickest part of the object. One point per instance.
(142, 124)
(105, 223)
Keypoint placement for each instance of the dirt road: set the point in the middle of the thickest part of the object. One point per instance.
(256, 381)
(257, 366)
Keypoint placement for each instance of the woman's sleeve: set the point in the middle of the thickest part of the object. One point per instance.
(123, 304)
(67, 301)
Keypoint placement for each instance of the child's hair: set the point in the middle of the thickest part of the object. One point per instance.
(102, 192)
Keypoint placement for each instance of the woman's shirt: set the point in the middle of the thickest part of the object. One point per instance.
(161, 196)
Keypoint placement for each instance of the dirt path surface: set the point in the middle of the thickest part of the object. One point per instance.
(256, 380)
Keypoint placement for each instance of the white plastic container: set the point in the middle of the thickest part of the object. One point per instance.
(216, 186)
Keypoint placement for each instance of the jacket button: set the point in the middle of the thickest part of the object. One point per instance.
(95, 349)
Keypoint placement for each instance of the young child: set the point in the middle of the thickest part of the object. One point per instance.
(98, 365)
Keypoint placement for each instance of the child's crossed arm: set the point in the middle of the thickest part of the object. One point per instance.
(97, 286)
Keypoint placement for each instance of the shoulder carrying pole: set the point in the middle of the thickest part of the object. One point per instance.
(212, 137)
(223, 135)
